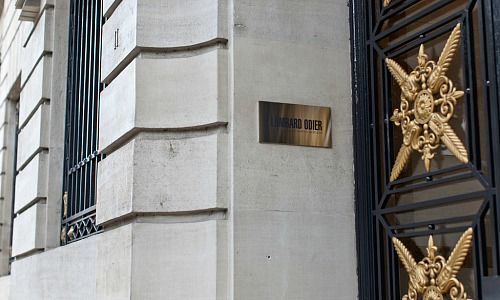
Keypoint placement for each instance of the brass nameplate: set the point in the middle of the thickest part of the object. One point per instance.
(293, 124)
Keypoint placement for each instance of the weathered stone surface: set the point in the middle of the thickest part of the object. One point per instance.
(160, 173)
(58, 97)
(3, 110)
(29, 230)
(156, 93)
(39, 43)
(10, 30)
(10, 71)
(5, 288)
(294, 204)
(3, 128)
(114, 264)
(159, 24)
(115, 182)
(31, 182)
(293, 255)
(34, 136)
(148, 261)
(64, 273)
(36, 90)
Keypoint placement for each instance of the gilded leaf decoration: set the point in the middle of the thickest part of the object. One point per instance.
(435, 277)
(428, 101)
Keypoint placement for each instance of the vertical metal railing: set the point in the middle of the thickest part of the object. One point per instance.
(82, 109)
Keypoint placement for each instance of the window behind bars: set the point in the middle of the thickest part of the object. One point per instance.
(82, 110)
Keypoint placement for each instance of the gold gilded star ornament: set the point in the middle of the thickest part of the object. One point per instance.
(428, 100)
(434, 276)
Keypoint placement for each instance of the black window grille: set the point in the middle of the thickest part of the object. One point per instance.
(452, 197)
(82, 110)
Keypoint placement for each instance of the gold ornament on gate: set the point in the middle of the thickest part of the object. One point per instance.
(428, 100)
(434, 276)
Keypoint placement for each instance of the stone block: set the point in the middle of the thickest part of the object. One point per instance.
(114, 264)
(3, 128)
(176, 261)
(4, 288)
(115, 183)
(11, 67)
(63, 273)
(3, 87)
(11, 28)
(31, 182)
(159, 24)
(3, 156)
(293, 255)
(36, 89)
(10, 17)
(158, 173)
(160, 93)
(25, 30)
(29, 230)
(2, 190)
(39, 43)
(34, 137)
(3, 110)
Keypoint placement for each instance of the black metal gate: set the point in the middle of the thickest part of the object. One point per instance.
(451, 195)
(82, 111)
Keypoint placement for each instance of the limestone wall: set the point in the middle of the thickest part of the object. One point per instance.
(292, 207)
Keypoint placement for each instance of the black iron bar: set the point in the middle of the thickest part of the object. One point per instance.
(79, 103)
(79, 215)
(427, 185)
(458, 229)
(471, 97)
(393, 8)
(411, 20)
(76, 95)
(427, 34)
(433, 203)
(469, 218)
(88, 100)
(491, 58)
(432, 174)
(83, 107)
(387, 110)
(477, 260)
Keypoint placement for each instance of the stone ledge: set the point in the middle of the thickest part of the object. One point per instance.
(160, 93)
(164, 173)
(157, 24)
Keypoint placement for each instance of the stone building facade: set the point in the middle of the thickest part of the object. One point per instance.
(189, 204)
(135, 160)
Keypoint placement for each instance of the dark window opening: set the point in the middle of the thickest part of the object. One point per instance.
(82, 110)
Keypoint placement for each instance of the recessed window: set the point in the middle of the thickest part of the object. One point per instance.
(82, 111)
